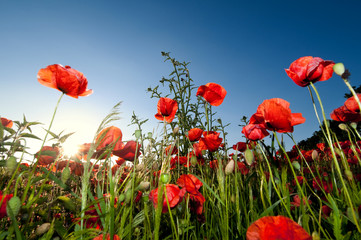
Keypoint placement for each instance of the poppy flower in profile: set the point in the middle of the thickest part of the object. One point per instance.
(210, 141)
(110, 136)
(212, 93)
(194, 134)
(305, 70)
(275, 115)
(47, 155)
(6, 122)
(352, 105)
(276, 227)
(342, 114)
(130, 151)
(4, 200)
(167, 108)
(65, 79)
(174, 197)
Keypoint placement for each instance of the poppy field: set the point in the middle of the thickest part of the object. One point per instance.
(189, 183)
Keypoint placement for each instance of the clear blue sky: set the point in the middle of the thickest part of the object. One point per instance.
(243, 45)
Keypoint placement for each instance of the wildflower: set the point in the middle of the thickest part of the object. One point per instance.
(275, 115)
(192, 184)
(210, 141)
(130, 151)
(65, 79)
(47, 155)
(167, 108)
(3, 202)
(171, 150)
(305, 70)
(342, 114)
(194, 134)
(174, 197)
(240, 146)
(351, 103)
(6, 122)
(255, 132)
(110, 136)
(276, 227)
(212, 93)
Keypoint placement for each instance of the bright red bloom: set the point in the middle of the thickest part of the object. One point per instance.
(167, 108)
(342, 114)
(255, 132)
(351, 103)
(192, 184)
(3, 202)
(242, 168)
(174, 196)
(210, 141)
(107, 237)
(297, 201)
(276, 227)
(305, 70)
(240, 146)
(194, 134)
(110, 136)
(129, 152)
(275, 115)
(65, 79)
(171, 150)
(47, 155)
(6, 122)
(212, 93)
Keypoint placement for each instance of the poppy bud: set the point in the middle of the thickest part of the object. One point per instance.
(296, 165)
(339, 69)
(128, 195)
(229, 167)
(248, 155)
(140, 167)
(343, 126)
(137, 133)
(176, 130)
(121, 197)
(13, 206)
(353, 125)
(150, 135)
(143, 186)
(314, 155)
(164, 178)
(43, 228)
(11, 164)
(194, 160)
(315, 236)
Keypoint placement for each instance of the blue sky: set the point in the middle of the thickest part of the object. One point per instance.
(242, 45)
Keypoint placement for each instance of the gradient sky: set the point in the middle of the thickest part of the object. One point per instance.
(242, 45)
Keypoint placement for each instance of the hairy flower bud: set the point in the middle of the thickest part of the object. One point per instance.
(13, 206)
(43, 228)
(339, 69)
(229, 167)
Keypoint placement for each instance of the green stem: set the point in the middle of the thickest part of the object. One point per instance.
(329, 140)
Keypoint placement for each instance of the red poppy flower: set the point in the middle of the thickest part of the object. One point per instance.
(240, 146)
(192, 184)
(174, 196)
(4, 200)
(107, 237)
(212, 93)
(255, 132)
(242, 168)
(194, 134)
(210, 141)
(6, 122)
(276, 227)
(129, 152)
(171, 150)
(351, 103)
(47, 155)
(167, 108)
(110, 136)
(305, 70)
(65, 79)
(342, 114)
(275, 115)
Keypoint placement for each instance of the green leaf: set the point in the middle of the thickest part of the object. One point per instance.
(29, 135)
